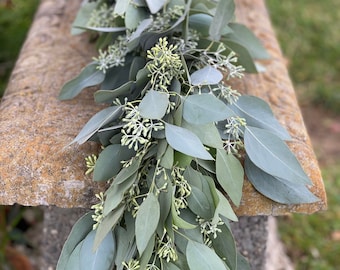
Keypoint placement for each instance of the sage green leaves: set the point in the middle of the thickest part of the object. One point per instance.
(174, 137)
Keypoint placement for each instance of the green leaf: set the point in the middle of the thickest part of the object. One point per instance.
(199, 203)
(74, 260)
(155, 5)
(230, 175)
(107, 225)
(154, 104)
(109, 163)
(126, 172)
(137, 64)
(89, 76)
(208, 134)
(115, 194)
(244, 57)
(102, 258)
(134, 15)
(224, 14)
(177, 220)
(224, 208)
(200, 22)
(276, 189)
(272, 155)
(170, 266)
(186, 142)
(167, 160)
(242, 35)
(145, 257)
(82, 17)
(258, 114)
(122, 243)
(224, 246)
(120, 7)
(242, 262)
(78, 233)
(116, 77)
(146, 221)
(107, 96)
(205, 108)
(206, 76)
(201, 257)
(100, 119)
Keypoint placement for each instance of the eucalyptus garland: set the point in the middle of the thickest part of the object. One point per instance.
(173, 136)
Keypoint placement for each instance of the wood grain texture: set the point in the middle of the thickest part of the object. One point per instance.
(35, 166)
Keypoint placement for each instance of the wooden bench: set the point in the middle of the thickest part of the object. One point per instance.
(35, 167)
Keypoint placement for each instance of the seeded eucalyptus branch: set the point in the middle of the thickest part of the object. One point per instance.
(173, 135)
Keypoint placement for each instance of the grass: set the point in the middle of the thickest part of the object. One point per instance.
(308, 33)
(313, 242)
(15, 19)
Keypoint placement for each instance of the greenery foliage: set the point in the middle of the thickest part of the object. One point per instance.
(173, 137)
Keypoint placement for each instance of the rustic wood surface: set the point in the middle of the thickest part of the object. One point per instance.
(35, 166)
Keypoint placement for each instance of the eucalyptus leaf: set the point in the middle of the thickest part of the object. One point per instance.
(120, 7)
(224, 14)
(242, 35)
(102, 258)
(154, 105)
(258, 114)
(137, 64)
(74, 260)
(167, 160)
(109, 163)
(224, 246)
(244, 57)
(146, 221)
(115, 77)
(206, 76)
(107, 96)
(100, 119)
(201, 22)
(230, 175)
(276, 189)
(224, 208)
(186, 142)
(208, 134)
(115, 193)
(134, 37)
(145, 257)
(78, 233)
(204, 109)
(122, 245)
(155, 5)
(82, 17)
(170, 266)
(89, 76)
(177, 220)
(107, 225)
(199, 203)
(134, 15)
(272, 155)
(201, 257)
(242, 262)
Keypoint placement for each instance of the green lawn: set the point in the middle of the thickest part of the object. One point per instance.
(308, 31)
(15, 20)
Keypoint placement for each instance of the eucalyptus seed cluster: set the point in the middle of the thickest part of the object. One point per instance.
(90, 163)
(102, 16)
(137, 130)
(234, 129)
(162, 21)
(227, 64)
(98, 210)
(182, 188)
(165, 64)
(113, 56)
(167, 249)
(209, 229)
